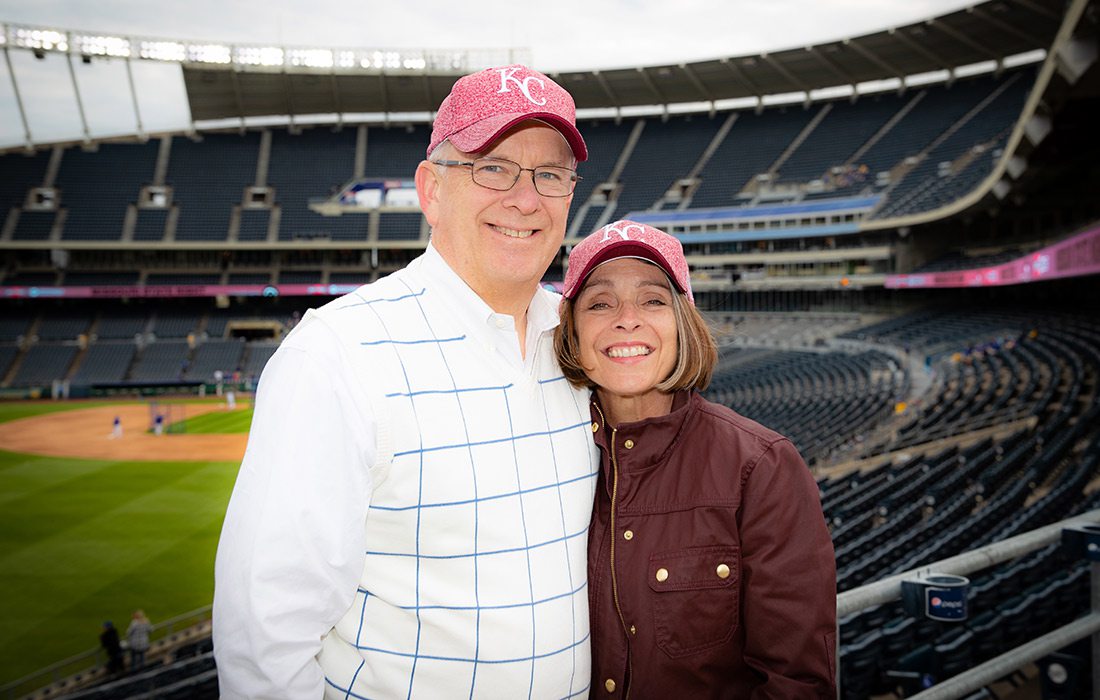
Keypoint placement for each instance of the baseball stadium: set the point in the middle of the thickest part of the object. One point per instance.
(894, 236)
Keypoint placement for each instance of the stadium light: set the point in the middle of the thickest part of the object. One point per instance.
(311, 58)
(258, 56)
(346, 59)
(99, 45)
(162, 51)
(45, 39)
(209, 53)
(41, 40)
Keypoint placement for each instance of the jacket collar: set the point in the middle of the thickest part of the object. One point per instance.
(651, 439)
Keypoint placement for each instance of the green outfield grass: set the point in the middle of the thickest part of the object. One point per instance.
(236, 421)
(12, 410)
(83, 541)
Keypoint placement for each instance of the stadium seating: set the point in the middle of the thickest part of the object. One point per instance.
(43, 363)
(120, 325)
(313, 163)
(256, 357)
(104, 363)
(249, 278)
(921, 149)
(847, 127)
(104, 279)
(8, 353)
(752, 145)
(808, 396)
(606, 141)
(214, 356)
(165, 360)
(394, 151)
(34, 226)
(13, 326)
(150, 225)
(22, 171)
(182, 278)
(666, 151)
(188, 677)
(985, 127)
(205, 194)
(97, 188)
(62, 327)
(254, 225)
(399, 226)
(31, 279)
(300, 277)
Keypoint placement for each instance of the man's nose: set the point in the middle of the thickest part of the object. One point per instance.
(523, 195)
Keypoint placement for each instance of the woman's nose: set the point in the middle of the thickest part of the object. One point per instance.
(628, 317)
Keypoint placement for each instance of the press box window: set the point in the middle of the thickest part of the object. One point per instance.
(258, 197)
(156, 197)
(42, 199)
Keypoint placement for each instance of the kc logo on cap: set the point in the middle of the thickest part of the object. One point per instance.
(508, 76)
(483, 105)
(622, 229)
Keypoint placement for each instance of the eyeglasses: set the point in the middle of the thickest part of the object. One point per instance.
(501, 174)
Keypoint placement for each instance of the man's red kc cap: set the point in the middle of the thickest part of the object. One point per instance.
(485, 104)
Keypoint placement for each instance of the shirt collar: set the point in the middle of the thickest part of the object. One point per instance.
(542, 311)
(471, 311)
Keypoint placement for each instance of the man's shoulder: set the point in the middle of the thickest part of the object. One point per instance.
(391, 288)
(360, 315)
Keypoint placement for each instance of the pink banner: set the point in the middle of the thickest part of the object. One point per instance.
(177, 290)
(1074, 257)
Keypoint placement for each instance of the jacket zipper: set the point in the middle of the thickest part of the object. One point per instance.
(614, 573)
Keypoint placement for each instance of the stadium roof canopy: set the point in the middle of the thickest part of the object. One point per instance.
(988, 31)
(238, 81)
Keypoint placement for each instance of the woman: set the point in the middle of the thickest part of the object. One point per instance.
(711, 572)
(137, 634)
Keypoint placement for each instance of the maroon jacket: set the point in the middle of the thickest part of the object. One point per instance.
(713, 576)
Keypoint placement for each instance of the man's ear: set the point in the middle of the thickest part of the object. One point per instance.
(427, 190)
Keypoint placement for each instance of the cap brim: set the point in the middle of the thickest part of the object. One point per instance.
(624, 249)
(480, 135)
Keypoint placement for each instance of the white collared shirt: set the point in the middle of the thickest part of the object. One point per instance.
(292, 545)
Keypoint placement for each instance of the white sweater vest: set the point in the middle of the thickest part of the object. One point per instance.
(475, 580)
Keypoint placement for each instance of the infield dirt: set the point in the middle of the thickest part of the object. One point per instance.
(86, 432)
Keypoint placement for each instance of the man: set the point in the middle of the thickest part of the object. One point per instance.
(410, 519)
(108, 639)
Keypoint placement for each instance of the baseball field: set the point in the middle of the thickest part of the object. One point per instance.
(93, 526)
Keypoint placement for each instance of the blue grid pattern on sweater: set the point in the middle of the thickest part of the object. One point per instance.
(490, 428)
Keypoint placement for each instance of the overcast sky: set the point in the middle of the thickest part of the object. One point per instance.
(560, 35)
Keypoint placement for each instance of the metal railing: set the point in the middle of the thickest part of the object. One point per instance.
(889, 589)
(885, 591)
(89, 661)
